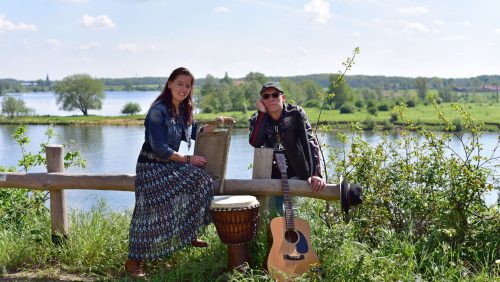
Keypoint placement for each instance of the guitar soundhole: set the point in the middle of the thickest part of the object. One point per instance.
(291, 236)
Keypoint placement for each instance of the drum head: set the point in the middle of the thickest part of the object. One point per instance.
(234, 202)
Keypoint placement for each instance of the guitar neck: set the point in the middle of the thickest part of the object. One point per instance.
(287, 201)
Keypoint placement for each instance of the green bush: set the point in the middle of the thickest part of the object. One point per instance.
(457, 124)
(371, 103)
(394, 117)
(410, 103)
(372, 110)
(208, 109)
(312, 104)
(384, 107)
(369, 124)
(19, 206)
(419, 189)
(359, 104)
(388, 125)
(347, 108)
(131, 108)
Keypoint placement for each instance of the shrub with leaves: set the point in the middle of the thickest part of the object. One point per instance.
(17, 206)
(423, 188)
(426, 194)
(131, 108)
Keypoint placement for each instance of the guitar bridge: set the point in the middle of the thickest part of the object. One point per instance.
(291, 257)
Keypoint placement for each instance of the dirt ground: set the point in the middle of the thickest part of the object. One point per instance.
(43, 276)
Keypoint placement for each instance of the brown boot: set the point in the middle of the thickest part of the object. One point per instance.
(134, 268)
(199, 243)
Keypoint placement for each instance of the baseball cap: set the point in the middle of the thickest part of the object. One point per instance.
(271, 84)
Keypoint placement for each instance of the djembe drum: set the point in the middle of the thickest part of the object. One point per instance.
(236, 219)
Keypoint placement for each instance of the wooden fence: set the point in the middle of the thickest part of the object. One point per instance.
(56, 182)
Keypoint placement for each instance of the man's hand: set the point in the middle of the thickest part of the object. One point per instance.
(317, 183)
(260, 106)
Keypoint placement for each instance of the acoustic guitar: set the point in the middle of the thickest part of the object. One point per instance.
(291, 253)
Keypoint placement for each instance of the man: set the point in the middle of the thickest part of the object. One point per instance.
(285, 128)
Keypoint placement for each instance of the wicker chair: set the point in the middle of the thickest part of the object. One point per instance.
(215, 147)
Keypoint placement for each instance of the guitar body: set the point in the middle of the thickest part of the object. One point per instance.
(291, 253)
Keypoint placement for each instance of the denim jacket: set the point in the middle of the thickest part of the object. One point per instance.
(164, 133)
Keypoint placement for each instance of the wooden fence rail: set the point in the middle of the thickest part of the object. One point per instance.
(125, 182)
(56, 181)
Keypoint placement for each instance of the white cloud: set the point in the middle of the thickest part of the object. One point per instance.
(385, 52)
(416, 26)
(356, 34)
(319, 10)
(265, 50)
(101, 21)
(303, 51)
(438, 22)
(7, 25)
(414, 11)
(128, 47)
(54, 43)
(90, 45)
(454, 37)
(221, 10)
(497, 31)
(152, 48)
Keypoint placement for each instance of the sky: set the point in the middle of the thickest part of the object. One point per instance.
(136, 38)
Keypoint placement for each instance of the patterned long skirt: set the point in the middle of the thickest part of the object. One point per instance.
(172, 205)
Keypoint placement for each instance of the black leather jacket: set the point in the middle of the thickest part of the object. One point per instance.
(296, 135)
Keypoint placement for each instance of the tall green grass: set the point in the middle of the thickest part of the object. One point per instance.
(97, 248)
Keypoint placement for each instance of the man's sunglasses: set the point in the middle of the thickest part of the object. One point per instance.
(266, 96)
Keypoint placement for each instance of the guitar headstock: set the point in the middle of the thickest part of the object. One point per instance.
(280, 159)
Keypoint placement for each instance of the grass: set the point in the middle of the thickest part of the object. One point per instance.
(489, 113)
(97, 248)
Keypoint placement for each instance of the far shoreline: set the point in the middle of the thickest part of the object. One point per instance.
(378, 123)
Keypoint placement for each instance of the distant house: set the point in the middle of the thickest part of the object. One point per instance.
(29, 83)
(491, 87)
(459, 89)
(238, 82)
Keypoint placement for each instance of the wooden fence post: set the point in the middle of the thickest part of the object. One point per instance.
(59, 217)
(262, 169)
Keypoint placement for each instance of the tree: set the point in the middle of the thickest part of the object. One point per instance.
(341, 90)
(294, 94)
(445, 94)
(311, 89)
(79, 91)
(14, 107)
(208, 91)
(224, 97)
(256, 76)
(131, 108)
(421, 85)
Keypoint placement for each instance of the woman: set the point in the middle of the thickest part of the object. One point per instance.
(172, 192)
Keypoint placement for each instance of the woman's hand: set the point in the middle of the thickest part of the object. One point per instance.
(218, 120)
(225, 120)
(198, 161)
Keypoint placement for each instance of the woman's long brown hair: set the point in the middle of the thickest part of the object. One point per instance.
(187, 104)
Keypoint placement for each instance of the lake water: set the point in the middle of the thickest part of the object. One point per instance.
(44, 103)
(114, 149)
